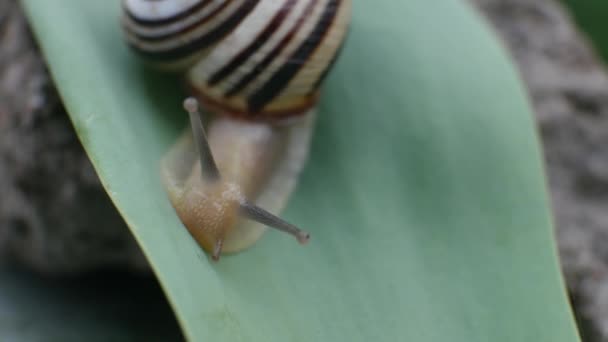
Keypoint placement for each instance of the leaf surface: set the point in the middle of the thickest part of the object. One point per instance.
(591, 17)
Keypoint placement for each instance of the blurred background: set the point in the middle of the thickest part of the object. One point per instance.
(70, 264)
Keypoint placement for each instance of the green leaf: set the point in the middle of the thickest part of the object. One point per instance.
(591, 16)
(424, 194)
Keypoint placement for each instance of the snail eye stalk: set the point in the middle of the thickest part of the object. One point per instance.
(209, 168)
(257, 214)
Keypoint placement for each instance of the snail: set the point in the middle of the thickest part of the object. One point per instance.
(257, 67)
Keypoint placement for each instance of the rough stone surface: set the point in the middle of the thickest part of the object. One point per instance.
(568, 85)
(54, 214)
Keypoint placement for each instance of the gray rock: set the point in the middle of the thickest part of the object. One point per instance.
(54, 214)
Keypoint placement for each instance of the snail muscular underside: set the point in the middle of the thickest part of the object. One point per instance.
(252, 63)
(245, 57)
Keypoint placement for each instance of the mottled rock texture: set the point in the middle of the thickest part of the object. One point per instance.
(54, 214)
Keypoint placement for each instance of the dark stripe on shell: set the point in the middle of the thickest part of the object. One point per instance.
(219, 106)
(260, 67)
(259, 99)
(256, 44)
(158, 22)
(328, 67)
(184, 30)
(204, 41)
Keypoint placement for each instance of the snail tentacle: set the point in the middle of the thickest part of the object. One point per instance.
(209, 168)
(260, 215)
(217, 250)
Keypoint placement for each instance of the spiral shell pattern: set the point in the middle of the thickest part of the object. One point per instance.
(251, 58)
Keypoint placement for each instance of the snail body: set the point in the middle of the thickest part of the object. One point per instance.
(257, 65)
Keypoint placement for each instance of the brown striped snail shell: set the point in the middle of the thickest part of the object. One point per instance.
(257, 65)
